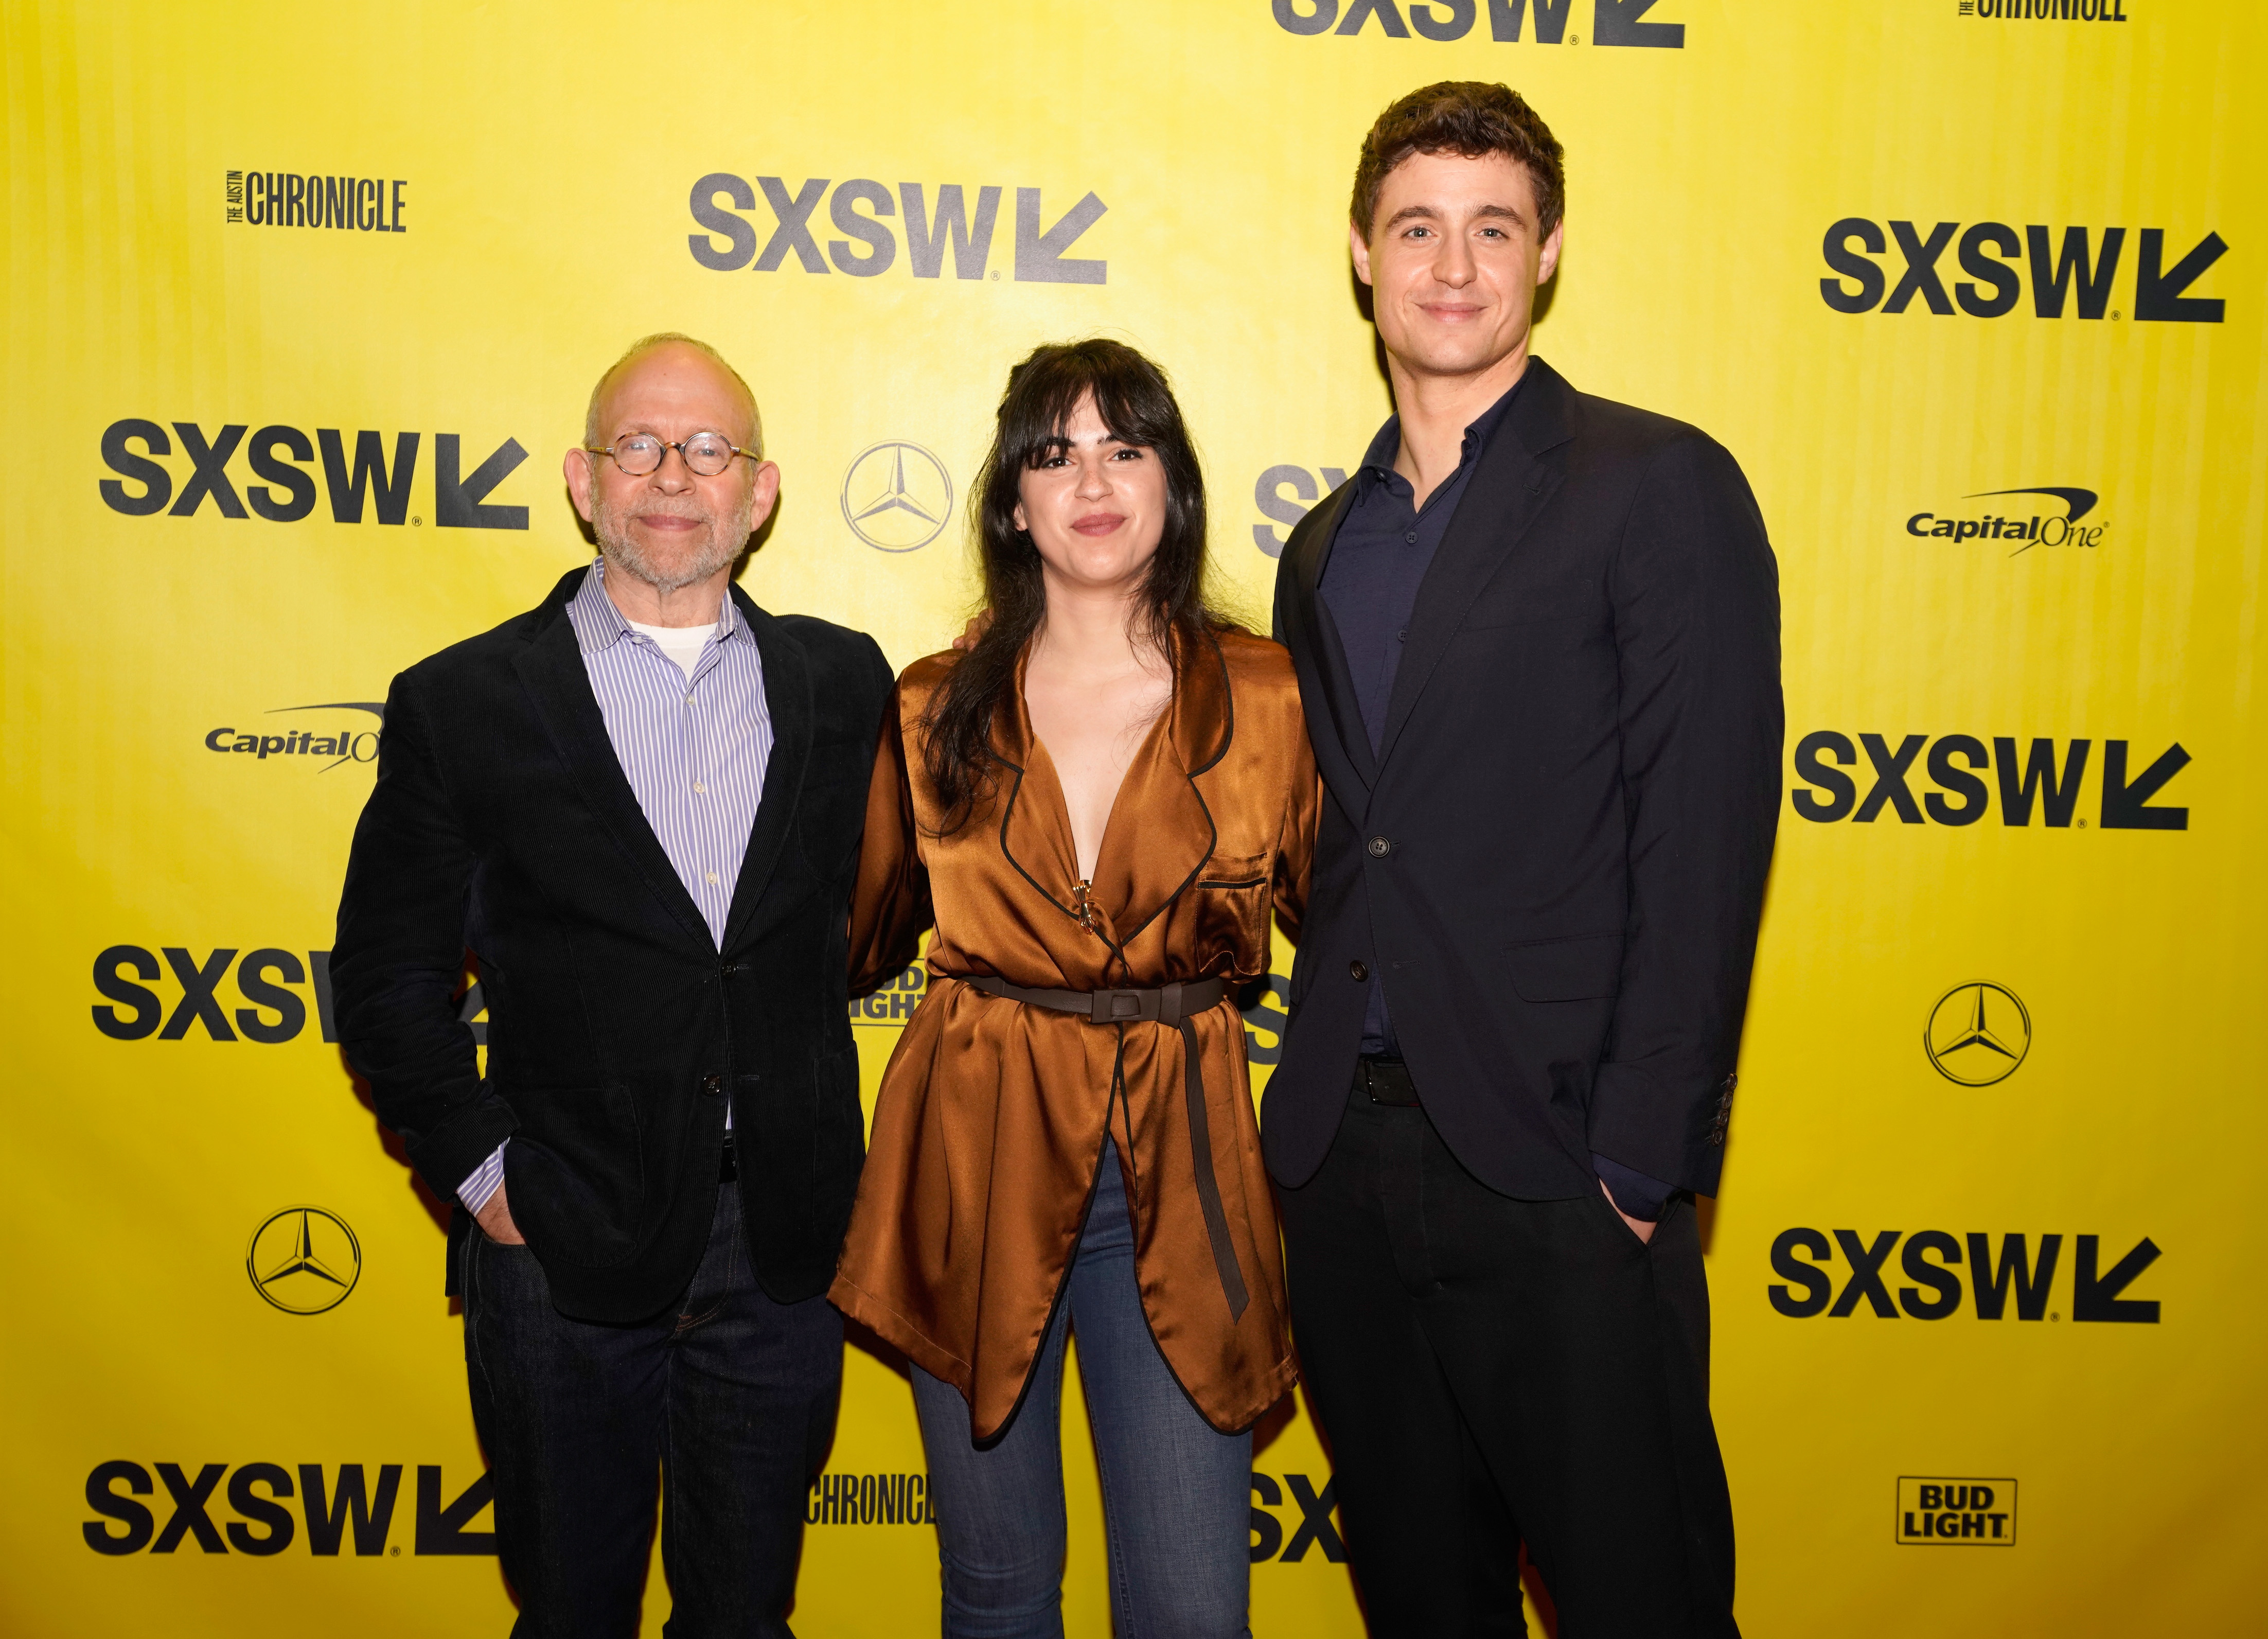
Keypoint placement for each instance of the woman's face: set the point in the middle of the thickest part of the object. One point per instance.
(1095, 509)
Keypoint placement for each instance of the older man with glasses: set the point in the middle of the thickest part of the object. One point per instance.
(636, 809)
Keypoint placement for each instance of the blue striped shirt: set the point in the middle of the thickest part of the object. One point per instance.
(694, 750)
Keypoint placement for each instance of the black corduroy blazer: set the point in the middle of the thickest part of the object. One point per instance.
(502, 824)
(1557, 856)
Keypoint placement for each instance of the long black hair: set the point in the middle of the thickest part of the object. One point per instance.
(1136, 402)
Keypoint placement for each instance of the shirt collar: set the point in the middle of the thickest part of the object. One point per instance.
(599, 624)
(1378, 460)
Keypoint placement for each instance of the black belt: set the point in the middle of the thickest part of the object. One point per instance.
(1386, 1081)
(1175, 1004)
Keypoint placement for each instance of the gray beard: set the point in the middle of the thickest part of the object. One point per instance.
(620, 549)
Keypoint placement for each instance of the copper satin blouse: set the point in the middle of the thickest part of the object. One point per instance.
(993, 1113)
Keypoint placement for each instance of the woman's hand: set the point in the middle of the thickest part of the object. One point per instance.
(977, 623)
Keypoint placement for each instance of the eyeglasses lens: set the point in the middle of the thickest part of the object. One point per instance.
(707, 454)
(637, 456)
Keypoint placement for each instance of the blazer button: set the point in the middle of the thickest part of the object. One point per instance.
(713, 1085)
(1380, 847)
(1357, 971)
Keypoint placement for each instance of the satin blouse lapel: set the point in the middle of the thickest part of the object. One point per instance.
(1160, 832)
(1034, 824)
(551, 670)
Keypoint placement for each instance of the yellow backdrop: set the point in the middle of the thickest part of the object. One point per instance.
(303, 304)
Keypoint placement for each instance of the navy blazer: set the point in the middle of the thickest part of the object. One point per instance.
(1557, 859)
(501, 823)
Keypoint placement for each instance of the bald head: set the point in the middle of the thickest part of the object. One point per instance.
(672, 355)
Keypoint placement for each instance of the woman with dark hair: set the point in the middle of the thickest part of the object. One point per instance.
(1097, 807)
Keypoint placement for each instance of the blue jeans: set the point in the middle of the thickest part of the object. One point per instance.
(1177, 1493)
(724, 1404)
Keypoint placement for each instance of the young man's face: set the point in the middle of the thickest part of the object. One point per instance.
(1454, 259)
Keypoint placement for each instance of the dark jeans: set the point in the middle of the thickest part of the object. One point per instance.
(1176, 1492)
(725, 1404)
(1489, 1370)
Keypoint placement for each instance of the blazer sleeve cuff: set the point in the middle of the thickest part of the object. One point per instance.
(1674, 1133)
(452, 1153)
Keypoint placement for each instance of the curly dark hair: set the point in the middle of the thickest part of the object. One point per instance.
(1468, 117)
(1136, 402)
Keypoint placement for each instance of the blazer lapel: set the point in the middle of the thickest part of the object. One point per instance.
(787, 697)
(1312, 542)
(551, 670)
(1508, 491)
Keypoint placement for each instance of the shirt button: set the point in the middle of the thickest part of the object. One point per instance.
(1357, 971)
(712, 879)
(700, 789)
(1380, 847)
(688, 700)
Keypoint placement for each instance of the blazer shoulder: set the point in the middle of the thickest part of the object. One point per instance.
(1641, 440)
(470, 658)
(826, 642)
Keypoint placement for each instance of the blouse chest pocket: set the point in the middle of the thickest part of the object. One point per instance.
(1232, 898)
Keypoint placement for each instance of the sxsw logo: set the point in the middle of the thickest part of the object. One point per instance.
(2051, 517)
(267, 981)
(278, 456)
(1613, 23)
(1314, 1527)
(2036, 778)
(2075, 274)
(1964, 1513)
(346, 1505)
(1268, 494)
(1932, 1260)
(948, 225)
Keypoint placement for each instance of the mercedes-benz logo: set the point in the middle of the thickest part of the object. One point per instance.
(1977, 1034)
(304, 1260)
(897, 497)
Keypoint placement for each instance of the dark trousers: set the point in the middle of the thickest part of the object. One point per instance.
(724, 1404)
(1490, 1370)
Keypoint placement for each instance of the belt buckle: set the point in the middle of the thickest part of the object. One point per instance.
(1120, 1006)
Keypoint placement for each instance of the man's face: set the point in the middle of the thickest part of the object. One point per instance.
(1453, 259)
(672, 527)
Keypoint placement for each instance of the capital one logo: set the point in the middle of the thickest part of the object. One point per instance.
(2077, 274)
(865, 246)
(1613, 22)
(279, 457)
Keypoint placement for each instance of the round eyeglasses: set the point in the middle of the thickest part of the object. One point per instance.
(705, 454)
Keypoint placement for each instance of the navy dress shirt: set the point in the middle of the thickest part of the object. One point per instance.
(1385, 544)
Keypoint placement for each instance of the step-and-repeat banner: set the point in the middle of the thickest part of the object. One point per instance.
(302, 307)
